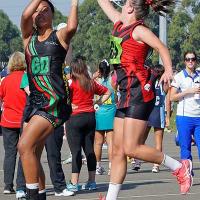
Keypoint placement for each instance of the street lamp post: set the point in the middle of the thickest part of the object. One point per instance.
(163, 31)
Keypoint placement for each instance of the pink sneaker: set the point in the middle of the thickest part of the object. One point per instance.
(184, 176)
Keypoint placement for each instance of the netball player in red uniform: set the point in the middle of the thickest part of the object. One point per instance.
(130, 42)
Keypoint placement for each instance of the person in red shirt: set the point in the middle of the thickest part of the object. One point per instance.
(13, 102)
(81, 125)
(131, 41)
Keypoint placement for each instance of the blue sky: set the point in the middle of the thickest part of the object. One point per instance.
(14, 8)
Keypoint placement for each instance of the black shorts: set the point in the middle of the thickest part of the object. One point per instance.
(29, 112)
(138, 111)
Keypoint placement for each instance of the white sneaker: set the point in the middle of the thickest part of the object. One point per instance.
(9, 191)
(100, 171)
(136, 165)
(155, 169)
(64, 193)
(67, 161)
(20, 194)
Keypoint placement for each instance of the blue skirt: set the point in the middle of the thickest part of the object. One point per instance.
(157, 118)
(105, 117)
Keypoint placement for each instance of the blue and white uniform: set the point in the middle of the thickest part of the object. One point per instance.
(188, 113)
(157, 116)
(106, 112)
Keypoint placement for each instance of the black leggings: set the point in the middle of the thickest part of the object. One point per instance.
(80, 133)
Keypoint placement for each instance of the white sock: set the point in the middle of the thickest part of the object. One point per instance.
(98, 164)
(32, 186)
(42, 191)
(171, 163)
(113, 191)
(109, 165)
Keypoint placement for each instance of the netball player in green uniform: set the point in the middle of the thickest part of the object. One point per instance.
(49, 105)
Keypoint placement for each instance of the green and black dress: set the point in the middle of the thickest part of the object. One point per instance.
(48, 96)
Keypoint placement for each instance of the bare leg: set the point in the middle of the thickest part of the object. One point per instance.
(158, 134)
(109, 138)
(38, 152)
(75, 178)
(98, 143)
(119, 160)
(33, 135)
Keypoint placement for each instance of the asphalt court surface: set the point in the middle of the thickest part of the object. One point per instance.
(142, 185)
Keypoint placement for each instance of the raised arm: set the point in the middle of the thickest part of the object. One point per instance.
(145, 35)
(65, 34)
(109, 10)
(27, 21)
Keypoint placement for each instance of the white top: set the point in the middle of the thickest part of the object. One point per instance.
(190, 104)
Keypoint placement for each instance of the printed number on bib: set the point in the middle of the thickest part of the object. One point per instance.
(108, 102)
(40, 65)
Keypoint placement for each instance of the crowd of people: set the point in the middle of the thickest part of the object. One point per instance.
(118, 104)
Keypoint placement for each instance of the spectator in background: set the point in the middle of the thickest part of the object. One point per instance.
(104, 115)
(81, 124)
(4, 73)
(14, 100)
(186, 91)
(157, 118)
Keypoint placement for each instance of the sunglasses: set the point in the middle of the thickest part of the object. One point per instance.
(190, 59)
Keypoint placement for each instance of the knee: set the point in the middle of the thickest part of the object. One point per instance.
(117, 151)
(22, 147)
(99, 141)
(131, 151)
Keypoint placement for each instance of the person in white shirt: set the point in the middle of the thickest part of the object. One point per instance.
(186, 91)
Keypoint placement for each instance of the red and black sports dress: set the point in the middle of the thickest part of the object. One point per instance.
(48, 97)
(134, 79)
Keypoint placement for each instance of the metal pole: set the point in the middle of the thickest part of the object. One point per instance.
(163, 31)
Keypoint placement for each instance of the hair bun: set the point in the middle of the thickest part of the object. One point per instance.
(106, 62)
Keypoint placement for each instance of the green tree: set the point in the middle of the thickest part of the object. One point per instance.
(177, 34)
(92, 37)
(58, 18)
(10, 39)
(152, 21)
(184, 31)
(192, 42)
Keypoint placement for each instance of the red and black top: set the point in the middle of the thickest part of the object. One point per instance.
(129, 56)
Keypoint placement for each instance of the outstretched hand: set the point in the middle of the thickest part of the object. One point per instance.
(167, 78)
